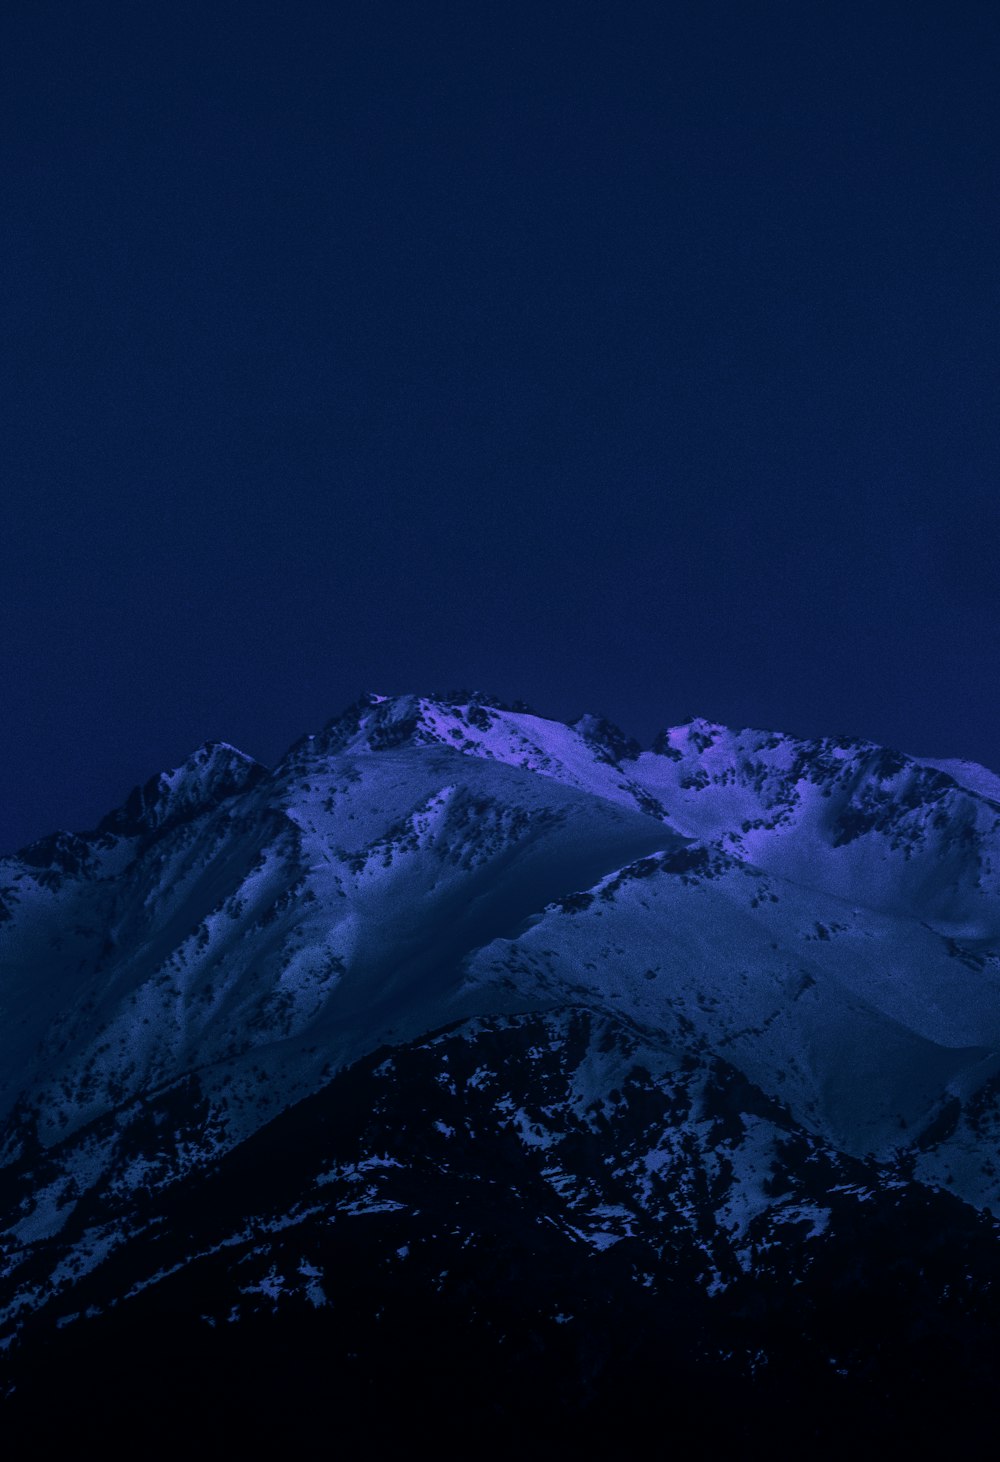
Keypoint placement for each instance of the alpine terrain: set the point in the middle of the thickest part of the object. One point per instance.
(475, 1077)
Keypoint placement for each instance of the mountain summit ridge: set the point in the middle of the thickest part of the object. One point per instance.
(458, 719)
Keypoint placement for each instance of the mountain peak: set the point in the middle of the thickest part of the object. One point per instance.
(209, 775)
(377, 722)
(607, 739)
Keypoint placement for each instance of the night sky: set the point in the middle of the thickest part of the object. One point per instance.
(634, 358)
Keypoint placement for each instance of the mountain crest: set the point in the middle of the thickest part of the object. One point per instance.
(211, 774)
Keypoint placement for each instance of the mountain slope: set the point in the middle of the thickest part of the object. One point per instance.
(712, 1006)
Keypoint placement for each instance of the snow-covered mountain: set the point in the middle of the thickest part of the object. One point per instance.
(456, 990)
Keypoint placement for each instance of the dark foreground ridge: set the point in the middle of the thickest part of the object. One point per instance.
(438, 1284)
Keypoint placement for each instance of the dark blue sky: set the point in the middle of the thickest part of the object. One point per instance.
(640, 358)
